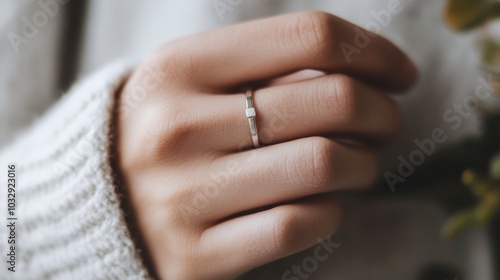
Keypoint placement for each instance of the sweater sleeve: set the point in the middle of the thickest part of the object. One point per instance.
(69, 224)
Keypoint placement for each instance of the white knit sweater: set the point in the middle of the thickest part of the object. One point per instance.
(69, 222)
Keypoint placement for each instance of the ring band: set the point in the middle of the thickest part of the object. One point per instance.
(250, 113)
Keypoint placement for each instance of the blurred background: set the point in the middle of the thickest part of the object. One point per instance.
(434, 214)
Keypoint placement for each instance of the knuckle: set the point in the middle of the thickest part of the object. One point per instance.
(314, 164)
(285, 231)
(339, 97)
(313, 31)
(168, 132)
(322, 151)
(171, 205)
(158, 131)
(182, 207)
(171, 55)
(171, 60)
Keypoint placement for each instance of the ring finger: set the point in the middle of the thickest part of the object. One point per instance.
(334, 106)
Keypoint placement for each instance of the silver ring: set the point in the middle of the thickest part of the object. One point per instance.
(250, 112)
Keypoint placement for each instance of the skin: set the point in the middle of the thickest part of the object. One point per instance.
(209, 206)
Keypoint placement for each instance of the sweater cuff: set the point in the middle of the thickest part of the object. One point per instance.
(69, 221)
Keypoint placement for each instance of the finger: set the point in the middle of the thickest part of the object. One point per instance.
(267, 48)
(249, 241)
(333, 106)
(294, 78)
(284, 172)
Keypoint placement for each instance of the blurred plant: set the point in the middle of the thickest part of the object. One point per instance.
(464, 15)
(461, 15)
(463, 177)
(487, 191)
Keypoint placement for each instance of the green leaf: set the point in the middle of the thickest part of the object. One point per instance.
(495, 167)
(478, 185)
(484, 212)
(480, 215)
(457, 224)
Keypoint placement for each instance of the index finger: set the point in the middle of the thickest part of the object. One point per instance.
(263, 49)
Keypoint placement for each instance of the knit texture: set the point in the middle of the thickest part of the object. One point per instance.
(70, 225)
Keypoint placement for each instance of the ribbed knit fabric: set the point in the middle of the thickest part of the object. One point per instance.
(70, 225)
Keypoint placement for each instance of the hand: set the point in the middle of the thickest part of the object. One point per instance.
(208, 205)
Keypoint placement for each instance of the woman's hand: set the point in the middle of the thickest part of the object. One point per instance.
(207, 204)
